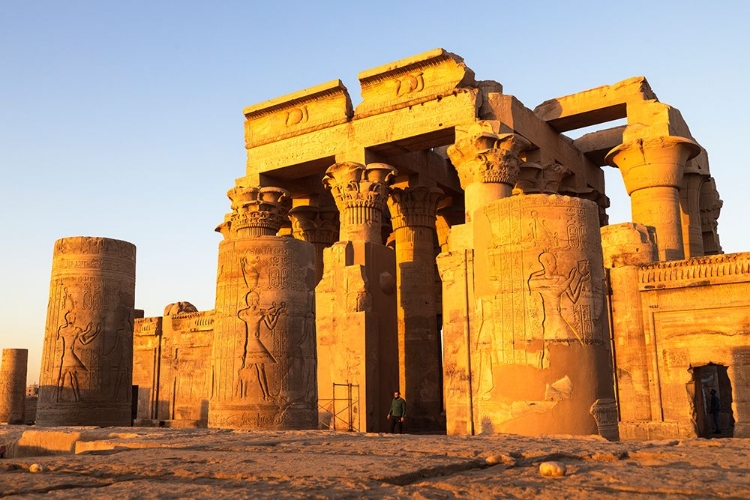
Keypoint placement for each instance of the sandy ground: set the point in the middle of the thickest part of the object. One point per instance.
(133, 462)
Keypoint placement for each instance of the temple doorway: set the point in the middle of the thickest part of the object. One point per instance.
(707, 379)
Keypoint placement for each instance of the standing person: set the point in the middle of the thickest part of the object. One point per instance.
(397, 413)
(715, 408)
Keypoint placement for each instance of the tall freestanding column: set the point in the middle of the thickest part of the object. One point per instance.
(88, 343)
(420, 355)
(263, 359)
(356, 305)
(13, 385)
(652, 170)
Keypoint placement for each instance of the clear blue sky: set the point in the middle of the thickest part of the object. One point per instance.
(124, 119)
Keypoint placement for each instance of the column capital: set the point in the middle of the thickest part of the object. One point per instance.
(315, 224)
(485, 156)
(361, 194)
(653, 162)
(414, 206)
(256, 211)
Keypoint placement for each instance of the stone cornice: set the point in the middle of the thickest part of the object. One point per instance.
(698, 271)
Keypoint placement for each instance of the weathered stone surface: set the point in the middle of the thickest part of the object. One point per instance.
(88, 345)
(318, 107)
(201, 463)
(407, 82)
(13, 385)
(263, 351)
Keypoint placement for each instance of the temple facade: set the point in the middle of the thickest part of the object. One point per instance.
(443, 240)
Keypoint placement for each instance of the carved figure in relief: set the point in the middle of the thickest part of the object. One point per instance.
(250, 271)
(552, 286)
(70, 363)
(485, 351)
(255, 354)
(118, 362)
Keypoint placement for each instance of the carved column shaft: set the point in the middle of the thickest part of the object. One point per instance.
(87, 361)
(652, 170)
(413, 217)
(691, 215)
(13, 385)
(263, 357)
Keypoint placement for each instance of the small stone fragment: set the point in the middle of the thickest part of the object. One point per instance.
(552, 469)
(500, 459)
(37, 468)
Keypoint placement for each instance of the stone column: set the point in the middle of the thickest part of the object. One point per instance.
(87, 361)
(710, 208)
(316, 225)
(13, 385)
(652, 170)
(488, 164)
(420, 355)
(356, 305)
(263, 358)
(690, 194)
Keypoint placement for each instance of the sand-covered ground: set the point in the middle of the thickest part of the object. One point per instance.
(133, 462)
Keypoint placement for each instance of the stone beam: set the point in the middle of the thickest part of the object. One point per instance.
(594, 106)
(514, 116)
(596, 145)
(294, 114)
(424, 77)
(415, 128)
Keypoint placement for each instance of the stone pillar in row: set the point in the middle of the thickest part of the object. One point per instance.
(487, 163)
(652, 170)
(87, 361)
(13, 385)
(263, 358)
(316, 225)
(420, 354)
(356, 305)
(710, 208)
(690, 195)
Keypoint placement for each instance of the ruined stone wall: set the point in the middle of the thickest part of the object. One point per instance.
(147, 334)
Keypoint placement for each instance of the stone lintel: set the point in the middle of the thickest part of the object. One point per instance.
(513, 114)
(411, 129)
(596, 145)
(427, 76)
(293, 114)
(594, 106)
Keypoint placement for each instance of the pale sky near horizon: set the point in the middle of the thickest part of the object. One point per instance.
(124, 119)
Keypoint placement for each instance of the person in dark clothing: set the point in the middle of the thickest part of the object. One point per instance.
(397, 413)
(715, 409)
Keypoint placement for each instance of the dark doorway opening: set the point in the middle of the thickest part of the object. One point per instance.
(710, 378)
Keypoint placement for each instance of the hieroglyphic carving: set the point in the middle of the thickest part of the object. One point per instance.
(13, 386)
(552, 287)
(88, 353)
(725, 267)
(258, 364)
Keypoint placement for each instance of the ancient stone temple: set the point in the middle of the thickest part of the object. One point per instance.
(444, 240)
(87, 360)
